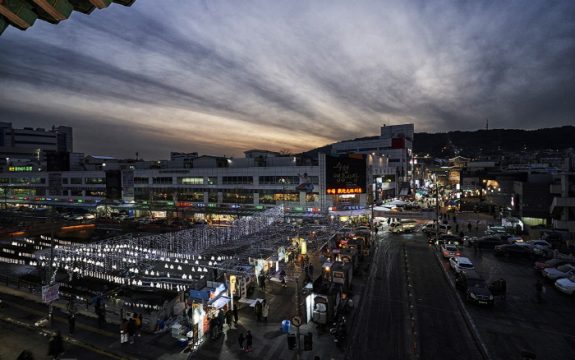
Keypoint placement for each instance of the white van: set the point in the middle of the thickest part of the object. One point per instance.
(404, 225)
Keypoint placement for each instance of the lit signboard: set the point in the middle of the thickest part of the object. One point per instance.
(345, 175)
(20, 168)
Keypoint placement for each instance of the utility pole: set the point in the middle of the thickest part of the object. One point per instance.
(52, 272)
(436, 208)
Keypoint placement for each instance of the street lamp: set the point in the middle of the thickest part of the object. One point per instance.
(282, 181)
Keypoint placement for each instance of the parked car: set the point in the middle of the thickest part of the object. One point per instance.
(486, 242)
(429, 228)
(566, 285)
(517, 250)
(474, 287)
(541, 247)
(459, 263)
(540, 265)
(449, 250)
(562, 271)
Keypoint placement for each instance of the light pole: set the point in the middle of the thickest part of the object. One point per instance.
(282, 181)
(436, 207)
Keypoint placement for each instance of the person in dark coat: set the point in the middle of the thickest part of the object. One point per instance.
(235, 313)
(56, 346)
(249, 340)
(131, 329)
(241, 340)
(229, 318)
(71, 322)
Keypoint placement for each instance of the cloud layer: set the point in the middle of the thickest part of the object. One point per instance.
(222, 77)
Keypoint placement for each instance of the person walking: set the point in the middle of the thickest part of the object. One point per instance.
(469, 227)
(235, 313)
(124, 331)
(138, 321)
(71, 323)
(265, 311)
(241, 340)
(249, 340)
(132, 328)
(229, 318)
(56, 346)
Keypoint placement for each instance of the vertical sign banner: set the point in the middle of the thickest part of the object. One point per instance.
(54, 184)
(128, 185)
(345, 175)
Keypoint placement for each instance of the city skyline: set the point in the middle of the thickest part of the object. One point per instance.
(221, 78)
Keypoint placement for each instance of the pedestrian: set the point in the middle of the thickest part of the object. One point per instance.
(124, 331)
(265, 310)
(229, 318)
(469, 227)
(56, 346)
(101, 312)
(235, 313)
(71, 323)
(456, 227)
(258, 310)
(249, 340)
(539, 290)
(138, 320)
(241, 340)
(221, 321)
(454, 218)
(376, 230)
(476, 225)
(132, 329)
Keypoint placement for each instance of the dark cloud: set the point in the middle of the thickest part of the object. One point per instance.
(219, 77)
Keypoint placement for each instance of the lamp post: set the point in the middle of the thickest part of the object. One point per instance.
(282, 181)
(436, 207)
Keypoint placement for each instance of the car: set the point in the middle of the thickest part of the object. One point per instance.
(402, 226)
(518, 250)
(474, 287)
(562, 271)
(566, 285)
(89, 216)
(459, 263)
(429, 228)
(486, 242)
(449, 250)
(540, 265)
(540, 247)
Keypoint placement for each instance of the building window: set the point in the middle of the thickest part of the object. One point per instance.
(140, 180)
(279, 180)
(233, 180)
(212, 180)
(213, 196)
(196, 196)
(65, 181)
(162, 180)
(191, 180)
(238, 197)
(96, 193)
(92, 181)
(312, 197)
(76, 181)
(76, 192)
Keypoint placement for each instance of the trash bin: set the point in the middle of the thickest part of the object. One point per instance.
(286, 325)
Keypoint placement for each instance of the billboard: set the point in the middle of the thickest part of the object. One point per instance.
(113, 184)
(345, 175)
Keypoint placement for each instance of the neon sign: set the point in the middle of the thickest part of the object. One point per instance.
(340, 191)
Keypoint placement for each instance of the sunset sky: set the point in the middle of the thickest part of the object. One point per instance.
(222, 77)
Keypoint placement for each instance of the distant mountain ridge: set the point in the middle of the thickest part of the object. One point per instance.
(471, 143)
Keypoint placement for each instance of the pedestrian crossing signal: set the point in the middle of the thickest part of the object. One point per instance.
(307, 342)
(291, 341)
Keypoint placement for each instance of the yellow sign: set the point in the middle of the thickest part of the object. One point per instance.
(232, 284)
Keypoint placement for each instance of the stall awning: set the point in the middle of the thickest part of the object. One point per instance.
(220, 302)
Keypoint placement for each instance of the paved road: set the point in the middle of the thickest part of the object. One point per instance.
(443, 333)
(380, 326)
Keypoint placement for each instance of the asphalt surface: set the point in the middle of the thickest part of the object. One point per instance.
(380, 324)
(443, 332)
(383, 327)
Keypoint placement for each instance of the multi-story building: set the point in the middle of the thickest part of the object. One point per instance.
(563, 204)
(29, 146)
(396, 144)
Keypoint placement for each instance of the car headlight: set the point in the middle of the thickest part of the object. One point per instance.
(473, 296)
